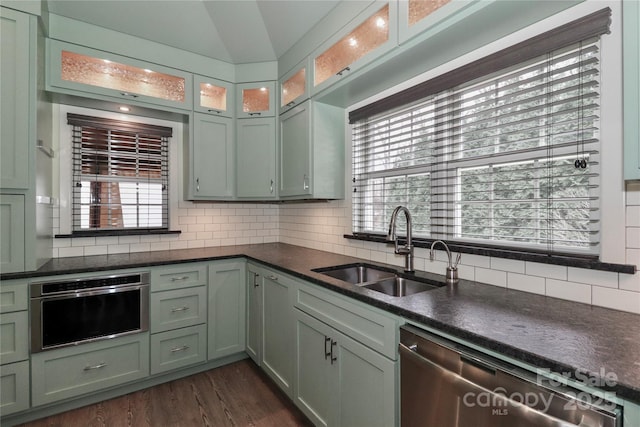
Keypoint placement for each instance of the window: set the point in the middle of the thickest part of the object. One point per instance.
(120, 175)
(502, 152)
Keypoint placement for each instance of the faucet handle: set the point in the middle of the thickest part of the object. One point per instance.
(457, 259)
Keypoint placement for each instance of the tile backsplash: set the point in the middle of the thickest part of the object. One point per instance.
(321, 225)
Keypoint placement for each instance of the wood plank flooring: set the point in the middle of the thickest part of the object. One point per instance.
(238, 394)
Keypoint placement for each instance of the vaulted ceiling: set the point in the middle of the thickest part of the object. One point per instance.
(234, 31)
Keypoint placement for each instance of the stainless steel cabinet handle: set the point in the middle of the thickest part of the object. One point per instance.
(327, 353)
(197, 185)
(290, 104)
(305, 182)
(94, 367)
(339, 73)
(255, 114)
(271, 187)
(130, 95)
(256, 282)
(175, 279)
(333, 358)
(181, 348)
(179, 309)
(272, 277)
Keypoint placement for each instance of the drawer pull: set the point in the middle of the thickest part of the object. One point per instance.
(178, 309)
(130, 95)
(175, 279)
(94, 367)
(181, 348)
(272, 277)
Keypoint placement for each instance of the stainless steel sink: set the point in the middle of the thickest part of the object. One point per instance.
(356, 274)
(378, 279)
(400, 287)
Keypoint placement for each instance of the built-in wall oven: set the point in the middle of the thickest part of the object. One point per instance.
(73, 311)
(445, 384)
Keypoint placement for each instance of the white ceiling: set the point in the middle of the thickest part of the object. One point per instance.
(234, 31)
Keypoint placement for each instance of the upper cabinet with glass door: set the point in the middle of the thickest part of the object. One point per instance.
(294, 86)
(212, 96)
(417, 16)
(82, 71)
(371, 34)
(256, 99)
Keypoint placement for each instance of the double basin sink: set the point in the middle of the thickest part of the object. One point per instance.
(378, 279)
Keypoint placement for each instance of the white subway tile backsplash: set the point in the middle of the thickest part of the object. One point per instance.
(511, 265)
(139, 247)
(117, 249)
(616, 299)
(71, 251)
(593, 277)
(633, 216)
(630, 282)
(83, 241)
(128, 239)
(95, 250)
(551, 271)
(491, 277)
(571, 291)
(526, 283)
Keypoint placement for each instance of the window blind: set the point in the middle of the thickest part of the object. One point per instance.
(120, 174)
(510, 158)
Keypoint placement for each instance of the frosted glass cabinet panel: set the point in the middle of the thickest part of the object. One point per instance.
(420, 9)
(78, 68)
(212, 96)
(294, 86)
(256, 99)
(418, 16)
(368, 36)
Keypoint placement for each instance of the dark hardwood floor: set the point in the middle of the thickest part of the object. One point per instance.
(238, 394)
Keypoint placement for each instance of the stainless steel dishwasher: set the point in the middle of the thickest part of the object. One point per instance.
(445, 384)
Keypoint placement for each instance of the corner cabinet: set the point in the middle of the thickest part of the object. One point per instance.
(78, 70)
(211, 158)
(227, 308)
(312, 152)
(212, 96)
(256, 159)
(631, 71)
(366, 38)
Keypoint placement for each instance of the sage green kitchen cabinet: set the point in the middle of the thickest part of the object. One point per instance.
(256, 159)
(257, 99)
(295, 86)
(254, 314)
(312, 152)
(178, 308)
(631, 81)
(226, 308)
(15, 86)
(14, 387)
(13, 230)
(367, 37)
(211, 158)
(82, 71)
(213, 96)
(270, 324)
(14, 333)
(340, 382)
(417, 17)
(78, 370)
(178, 348)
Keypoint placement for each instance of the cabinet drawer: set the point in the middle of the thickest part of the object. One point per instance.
(75, 371)
(14, 388)
(368, 326)
(178, 309)
(178, 348)
(182, 276)
(13, 295)
(14, 337)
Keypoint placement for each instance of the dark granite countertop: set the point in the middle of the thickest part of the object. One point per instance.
(549, 333)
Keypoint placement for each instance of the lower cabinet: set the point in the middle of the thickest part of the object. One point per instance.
(340, 382)
(270, 341)
(226, 308)
(14, 387)
(178, 348)
(76, 371)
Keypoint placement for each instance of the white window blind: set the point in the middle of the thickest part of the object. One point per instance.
(120, 175)
(508, 159)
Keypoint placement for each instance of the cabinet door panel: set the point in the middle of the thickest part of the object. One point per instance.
(631, 58)
(12, 229)
(314, 384)
(226, 309)
(178, 348)
(277, 356)
(213, 96)
(254, 315)
(256, 155)
(178, 309)
(295, 152)
(14, 328)
(212, 157)
(14, 102)
(14, 387)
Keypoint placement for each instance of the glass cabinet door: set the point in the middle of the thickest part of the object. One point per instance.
(213, 96)
(294, 87)
(417, 16)
(370, 35)
(256, 99)
(88, 70)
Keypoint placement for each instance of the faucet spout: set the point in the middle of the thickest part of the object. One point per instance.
(407, 249)
(452, 268)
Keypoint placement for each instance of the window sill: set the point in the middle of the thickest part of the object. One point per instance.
(592, 263)
(108, 233)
